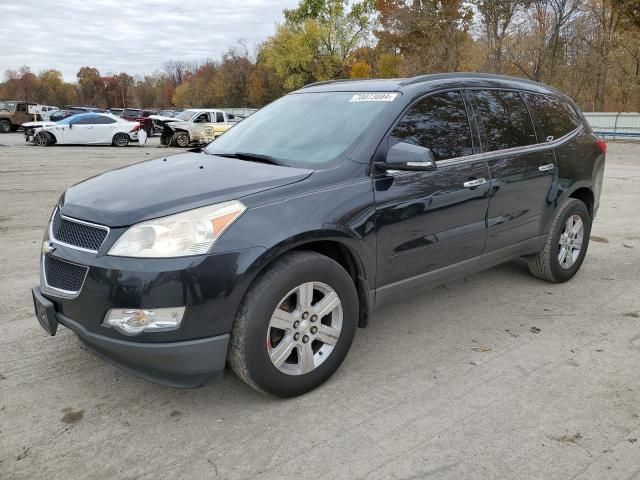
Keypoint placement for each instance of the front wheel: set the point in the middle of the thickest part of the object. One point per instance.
(5, 126)
(180, 139)
(566, 245)
(121, 139)
(42, 139)
(295, 325)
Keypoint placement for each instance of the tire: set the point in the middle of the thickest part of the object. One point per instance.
(547, 264)
(151, 132)
(42, 139)
(180, 139)
(254, 339)
(121, 139)
(5, 126)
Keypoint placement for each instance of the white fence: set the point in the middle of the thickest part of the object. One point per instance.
(615, 125)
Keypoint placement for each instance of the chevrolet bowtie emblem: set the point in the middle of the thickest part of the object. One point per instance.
(47, 247)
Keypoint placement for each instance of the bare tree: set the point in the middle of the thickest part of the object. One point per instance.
(496, 17)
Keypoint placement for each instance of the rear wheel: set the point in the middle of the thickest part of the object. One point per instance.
(5, 126)
(42, 139)
(121, 139)
(566, 245)
(180, 139)
(295, 325)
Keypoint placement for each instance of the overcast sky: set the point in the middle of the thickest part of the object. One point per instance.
(134, 36)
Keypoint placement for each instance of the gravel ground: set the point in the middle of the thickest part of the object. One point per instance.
(495, 376)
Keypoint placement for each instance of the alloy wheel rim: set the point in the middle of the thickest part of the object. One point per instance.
(40, 139)
(570, 244)
(183, 140)
(121, 140)
(304, 328)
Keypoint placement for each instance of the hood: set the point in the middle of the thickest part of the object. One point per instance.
(160, 187)
(178, 124)
(160, 118)
(38, 124)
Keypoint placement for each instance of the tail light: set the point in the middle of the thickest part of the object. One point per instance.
(602, 145)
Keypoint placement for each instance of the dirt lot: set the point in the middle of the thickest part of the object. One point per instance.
(495, 376)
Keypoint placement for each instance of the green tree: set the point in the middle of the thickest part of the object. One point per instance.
(318, 40)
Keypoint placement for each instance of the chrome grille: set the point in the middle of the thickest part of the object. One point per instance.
(77, 233)
(62, 275)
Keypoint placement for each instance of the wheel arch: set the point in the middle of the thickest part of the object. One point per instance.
(586, 196)
(334, 247)
(54, 139)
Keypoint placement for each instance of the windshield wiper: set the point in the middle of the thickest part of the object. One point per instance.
(252, 157)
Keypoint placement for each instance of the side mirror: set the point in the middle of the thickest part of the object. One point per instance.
(406, 156)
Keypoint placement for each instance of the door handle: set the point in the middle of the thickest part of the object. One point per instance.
(474, 183)
(546, 168)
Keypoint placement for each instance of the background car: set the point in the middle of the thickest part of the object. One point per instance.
(196, 126)
(137, 115)
(45, 111)
(14, 113)
(73, 110)
(88, 129)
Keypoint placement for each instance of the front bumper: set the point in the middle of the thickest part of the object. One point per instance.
(210, 287)
(185, 364)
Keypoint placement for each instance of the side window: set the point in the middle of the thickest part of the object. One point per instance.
(84, 120)
(556, 117)
(438, 122)
(100, 120)
(219, 117)
(505, 119)
(202, 118)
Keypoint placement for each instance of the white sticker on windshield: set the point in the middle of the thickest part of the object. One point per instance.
(374, 97)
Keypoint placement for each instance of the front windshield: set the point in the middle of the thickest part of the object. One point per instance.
(304, 129)
(186, 115)
(7, 106)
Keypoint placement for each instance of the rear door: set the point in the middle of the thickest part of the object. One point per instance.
(522, 171)
(104, 128)
(430, 219)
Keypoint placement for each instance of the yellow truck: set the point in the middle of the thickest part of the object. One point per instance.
(195, 126)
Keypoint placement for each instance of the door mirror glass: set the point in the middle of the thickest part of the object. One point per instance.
(406, 156)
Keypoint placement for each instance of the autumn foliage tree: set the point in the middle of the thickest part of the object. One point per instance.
(589, 49)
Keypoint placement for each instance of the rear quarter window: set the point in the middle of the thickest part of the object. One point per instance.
(555, 116)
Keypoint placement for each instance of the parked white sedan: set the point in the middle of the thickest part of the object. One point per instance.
(88, 129)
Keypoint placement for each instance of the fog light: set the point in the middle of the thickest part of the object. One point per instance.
(134, 321)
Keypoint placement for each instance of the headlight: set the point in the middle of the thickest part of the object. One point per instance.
(188, 233)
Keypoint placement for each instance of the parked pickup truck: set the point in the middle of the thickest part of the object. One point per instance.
(195, 126)
(14, 113)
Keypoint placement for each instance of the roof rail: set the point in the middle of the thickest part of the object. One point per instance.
(328, 82)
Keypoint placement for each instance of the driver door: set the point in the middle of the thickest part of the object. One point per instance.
(428, 220)
(80, 131)
(199, 124)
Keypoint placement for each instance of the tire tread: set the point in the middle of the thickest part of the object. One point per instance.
(237, 355)
(540, 263)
